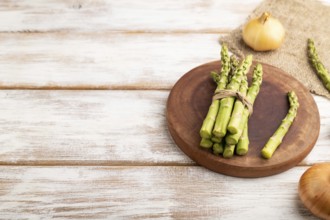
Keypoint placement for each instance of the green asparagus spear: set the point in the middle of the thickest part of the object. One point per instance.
(272, 144)
(228, 151)
(221, 80)
(251, 96)
(234, 64)
(206, 143)
(226, 104)
(216, 139)
(234, 138)
(217, 148)
(318, 65)
(236, 115)
(243, 143)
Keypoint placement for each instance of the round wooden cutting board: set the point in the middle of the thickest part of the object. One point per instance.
(190, 99)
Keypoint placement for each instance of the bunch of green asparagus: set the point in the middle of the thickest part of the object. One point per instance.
(225, 127)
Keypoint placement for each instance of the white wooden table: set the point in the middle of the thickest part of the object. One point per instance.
(83, 132)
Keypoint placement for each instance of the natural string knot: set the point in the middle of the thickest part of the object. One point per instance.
(229, 93)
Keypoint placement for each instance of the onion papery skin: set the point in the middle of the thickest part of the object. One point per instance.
(314, 190)
(264, 33)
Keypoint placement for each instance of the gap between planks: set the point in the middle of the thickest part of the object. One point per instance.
(115, 164)
(114, 31)
(90, 163)
(87, 87)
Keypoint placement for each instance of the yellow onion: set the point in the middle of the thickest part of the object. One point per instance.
(314, 189)
(263, 33)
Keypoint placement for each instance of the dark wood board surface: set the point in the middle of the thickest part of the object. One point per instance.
(188, 104)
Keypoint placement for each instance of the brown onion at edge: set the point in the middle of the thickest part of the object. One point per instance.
(314, 189)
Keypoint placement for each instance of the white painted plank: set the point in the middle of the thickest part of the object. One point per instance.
(320, 152)
(124, 15)
(146, 192)
(61, 127)
(100, 60)
(85, 127)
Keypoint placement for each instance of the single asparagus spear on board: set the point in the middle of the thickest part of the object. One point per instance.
(226, 104)
(276, 139)
(321, 71)
(221, 80)
(251, 96)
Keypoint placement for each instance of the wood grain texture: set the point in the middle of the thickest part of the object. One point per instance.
(190, 99)
(64, 44)
(41, 127)
(146, 192)
(140, 173)
(101, 60)
(125, 15)
(86, 128)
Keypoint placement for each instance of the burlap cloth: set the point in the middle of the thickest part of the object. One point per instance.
(302, 19)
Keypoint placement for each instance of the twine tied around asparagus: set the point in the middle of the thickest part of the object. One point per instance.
(229, 93)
